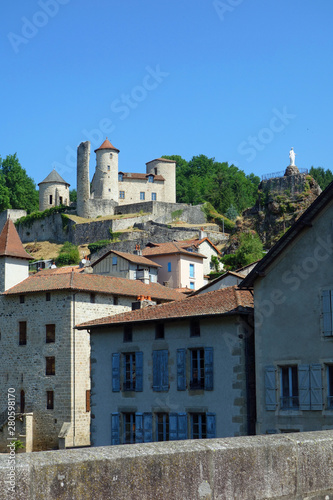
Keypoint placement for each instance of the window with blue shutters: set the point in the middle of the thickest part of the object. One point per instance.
(162, 427)
(177, 426)
(115, 439)
(160, 370)
(116, 372)
(203, 425)
(129, 422)
(289, 399)
(330, 386)
(327, 312)
(181, 369)
(147, 427)
(202, 369)
(310, 387)
(132, 371)
(129, 372)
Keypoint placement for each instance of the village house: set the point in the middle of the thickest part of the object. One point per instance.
(183, 370)
(204, 246)
(42, 357)
(293, 300)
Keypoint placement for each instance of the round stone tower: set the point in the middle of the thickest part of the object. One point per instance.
(167, 169)
(53, 191)
(83, 184)
(105, 180)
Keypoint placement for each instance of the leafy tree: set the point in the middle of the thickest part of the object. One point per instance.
(250, 249)
(231, 213)
(73, 195)
(323, 177)
(17, 189)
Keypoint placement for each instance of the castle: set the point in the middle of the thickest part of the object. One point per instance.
(110, 188)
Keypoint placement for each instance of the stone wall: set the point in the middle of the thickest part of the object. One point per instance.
(289, 467)
(11, 213)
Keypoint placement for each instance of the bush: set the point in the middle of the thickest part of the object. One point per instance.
(69, 254)
(94, 247)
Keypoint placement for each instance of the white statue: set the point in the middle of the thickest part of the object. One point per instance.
(292, 155)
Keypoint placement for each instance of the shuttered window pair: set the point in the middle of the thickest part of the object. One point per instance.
(304, 393)
(132, 371)
(201, 369)
(136, 428)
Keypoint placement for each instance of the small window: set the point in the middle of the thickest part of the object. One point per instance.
(142, 195)
(114, 260)
(150, 178)
(50, 199)
(197, 369)
(50, 333)
(50, 365)
(195, 328)
(159, 331)
(48, 297)
(60, 200)
(115, 300)
(22, 333)
(169, 267)
(92, 298)
(108, 168)
(121, 195)
(22, 299)
(128, 333)
(192, 271)
(155, 171)
(198, 425)
(120, 179)
(49, 400)
(87, 400)
(162, 427)
(153, 196)
(191, 285)
(289, 387)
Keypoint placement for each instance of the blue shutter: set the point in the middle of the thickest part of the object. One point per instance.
(316, 387)
(304, 387)
(327, 312)
(270, 387)
(115, 428)
(116, 372)
(164, 358)
(210, 425)
(209, 369)
(181, 367)
(138, 428)
(139, 371)
(182, 426)
(156, 372)
(173, 426)
(147, 427)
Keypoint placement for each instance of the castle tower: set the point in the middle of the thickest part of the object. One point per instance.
(14, 260)
(83, 183)
(53, 191)
(166, 168)
(105, 180)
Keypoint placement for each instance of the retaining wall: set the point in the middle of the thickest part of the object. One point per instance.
(291, 467)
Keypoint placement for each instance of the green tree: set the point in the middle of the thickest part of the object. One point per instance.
(323, 177)
(73, 195)
(231, 213)
(20, 188)
(250, 250)
(69, 254)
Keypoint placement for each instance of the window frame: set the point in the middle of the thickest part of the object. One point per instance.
(50, 400)
(142, 195)
(23, 332)
(191, 270)
(153, 196)
(121, 195)
(50, 366)
(162, 426)
(289, 387)
(50, 333)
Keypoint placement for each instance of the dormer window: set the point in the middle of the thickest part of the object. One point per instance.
(150, 178)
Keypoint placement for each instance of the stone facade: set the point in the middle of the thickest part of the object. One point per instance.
(53, 191)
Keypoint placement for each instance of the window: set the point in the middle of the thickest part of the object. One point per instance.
(142, 195)
(191, 285)
(87, 400)
(159, 331)
(50, 333)
(327, 312)
(22, 401)
(330, 386)
(129, 428)
(169, 267)
(289, 387)
(49, 400)
(92, 298)
(150, 178)
(177, 426)
(203, 426)
(155, 171)
(120, 179)
(132, 371)
(50, 365)
(115, 300)
(22, 299)
(121, 195)
(195, 328)
(162, 427)
(50, 199)
(48, 297)
(202, 369)
(114, 260)
(192, 271)
(153, 196)
(22, 333)
(60, 200)
(129, 372)
(108, 168)
(128, 333)
(160, 370)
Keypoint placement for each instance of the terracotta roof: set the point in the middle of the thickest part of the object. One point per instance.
(161, 159)
(197, 242)
(170, 247)
(50, 279)
(107, 145)
(54, 177)
(134, 175)
(229, 300)
(136, 259)
(10, 243)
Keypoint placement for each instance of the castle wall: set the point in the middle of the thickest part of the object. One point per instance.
(83, 181)
(167, 169)
(105, 180)
(12, 214)
(132, 189)
(52, 195)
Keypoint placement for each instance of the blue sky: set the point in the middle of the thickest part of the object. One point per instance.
(238, 80)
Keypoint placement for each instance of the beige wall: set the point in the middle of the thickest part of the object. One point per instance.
(179, 277)
(56, 190)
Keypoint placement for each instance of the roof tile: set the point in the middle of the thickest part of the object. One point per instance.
(10, 243)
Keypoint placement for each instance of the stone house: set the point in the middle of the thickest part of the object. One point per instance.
(126, 265)
(180, 267)
(43, 359)
(293, 305)
(53, 191)
(174, 371)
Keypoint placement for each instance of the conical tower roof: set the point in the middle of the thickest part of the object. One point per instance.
(107, 145)
(10, 242)
(54, 177)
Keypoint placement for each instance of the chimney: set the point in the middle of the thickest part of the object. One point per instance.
(138, 250)
(142, 302)
(202, 234)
